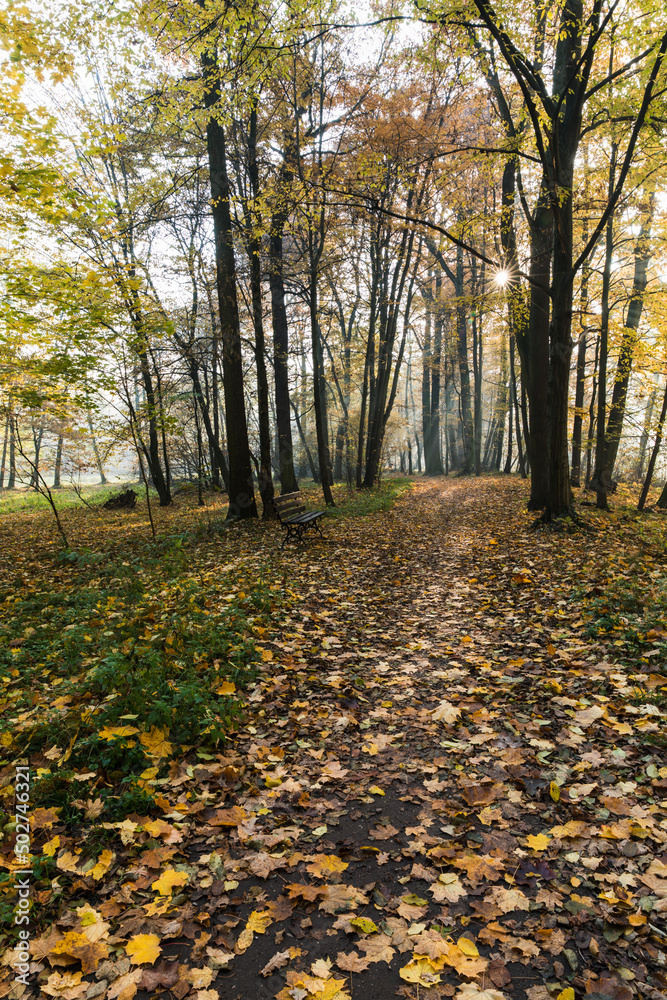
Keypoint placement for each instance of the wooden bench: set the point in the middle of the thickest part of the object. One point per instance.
(294, 517)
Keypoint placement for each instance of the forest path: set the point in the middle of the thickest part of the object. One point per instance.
(443, 785)
(438, 750)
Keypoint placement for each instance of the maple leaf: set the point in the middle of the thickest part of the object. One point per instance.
(143, 949)
(227, 687)
(509, 900)
(258, 921)
(116, 732)
(51, 846)
(573, 828)
(352, 962)
(78, 946)
(280, 959)
(168, 881)
(156, 743)
(325, 864)
(228, 817)
(103, 865)
(44, 818)
(448, 887)
(588, 716)
(446, 712)
(68, 986)
(333, 769)
(481, 795)
(309, 892)
(201, 978)
(471, 991)
(378, 948)
(538, 841)
(341, 897)
(68, 862)
(125, 987)
(430, 943)
(383, 832)
(480, 867)
(380, 742)
(158, 828)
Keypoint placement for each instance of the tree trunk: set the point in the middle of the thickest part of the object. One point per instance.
(643, 441)
(11, 481)
(265, 478)
(654, 456)
(241, 492)
(427, 366)
(601, 481)
(464, 367)
(436, 467)
(535, 357)
(58, 463)
(288, 480)
(643, 253)
(4, 452)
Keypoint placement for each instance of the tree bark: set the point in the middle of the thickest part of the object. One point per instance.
(241, 492)
(643, 253)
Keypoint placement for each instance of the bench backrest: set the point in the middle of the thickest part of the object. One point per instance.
(289, 505)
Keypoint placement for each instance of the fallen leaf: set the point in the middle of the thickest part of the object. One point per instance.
(143, 949)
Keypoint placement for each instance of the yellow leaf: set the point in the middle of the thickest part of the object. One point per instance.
(68, 862)
(468, 948)
(227, 687)
(51, 846)
(116, 732)
(537, 841)
(420, 970)
(566, 994)
(80, 947)
(103, 865)
(375, 790)
(364, 924)
(326, 864)
(167, 882)
(266, 655)
(554, 791)
(245, 940)
(156, 742)
(200, 978)
(143, 949)
(258, 921)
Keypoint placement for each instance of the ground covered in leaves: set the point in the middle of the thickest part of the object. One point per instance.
(445, 769)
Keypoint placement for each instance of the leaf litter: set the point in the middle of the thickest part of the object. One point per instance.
(444, 785)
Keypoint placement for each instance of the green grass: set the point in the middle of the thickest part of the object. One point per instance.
(353, 502)
(24, 499)
(145, 640)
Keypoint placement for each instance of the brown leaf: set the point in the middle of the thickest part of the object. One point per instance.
(498, 973)
(164, 974)
(352, 962)
(228, 817)
(341, 897)
(383, 832)
(478, 867)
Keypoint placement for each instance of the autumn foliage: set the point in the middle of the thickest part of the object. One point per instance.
(447, 777)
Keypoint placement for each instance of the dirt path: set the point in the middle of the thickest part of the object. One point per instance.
(443, 783)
